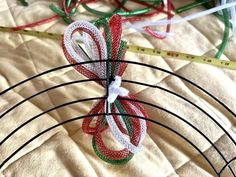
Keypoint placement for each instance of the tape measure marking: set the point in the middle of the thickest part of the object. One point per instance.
(138, 49)
(33, 33)
(183, 56)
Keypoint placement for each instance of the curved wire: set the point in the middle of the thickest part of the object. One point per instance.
(127, 81)
(46, 90)
(149, 104)
(229, 162)
(122, 61)
(81, 117)
(183, 98)
(124, 80)
(59, 106)
(132, 62)
(42, 113)
(182, 119)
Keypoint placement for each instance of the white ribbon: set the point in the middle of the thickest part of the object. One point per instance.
(120, 137)
(230, 4)
(116, 90)
(165, 3)
(76, 52)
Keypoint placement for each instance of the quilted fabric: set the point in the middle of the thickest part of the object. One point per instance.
(66, 151)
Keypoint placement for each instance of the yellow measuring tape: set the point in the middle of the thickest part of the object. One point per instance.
(141, 50)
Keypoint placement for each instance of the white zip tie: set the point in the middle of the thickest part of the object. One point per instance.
(116, 90)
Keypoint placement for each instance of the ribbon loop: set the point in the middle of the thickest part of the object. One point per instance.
(107, 47)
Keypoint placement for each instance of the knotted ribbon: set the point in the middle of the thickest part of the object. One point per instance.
(107, 46)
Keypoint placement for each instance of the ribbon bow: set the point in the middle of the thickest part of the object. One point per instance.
(107, 47)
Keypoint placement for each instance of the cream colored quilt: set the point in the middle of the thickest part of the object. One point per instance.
(66, 151)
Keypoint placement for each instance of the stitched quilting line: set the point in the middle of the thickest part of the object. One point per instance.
(33, 62)
(167, 160)
(190, 159)
(85, 154)
(20, 155)
(210, 147)
(31, 151)
(198, 156)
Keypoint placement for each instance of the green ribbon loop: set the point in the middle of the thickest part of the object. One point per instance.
(128, 125)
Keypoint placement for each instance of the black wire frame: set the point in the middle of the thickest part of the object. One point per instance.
(227, 163)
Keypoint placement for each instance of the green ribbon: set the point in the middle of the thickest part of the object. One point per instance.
(24, 2)
(226, 34)
(61, 13)
(120, 12)
(128, 124)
